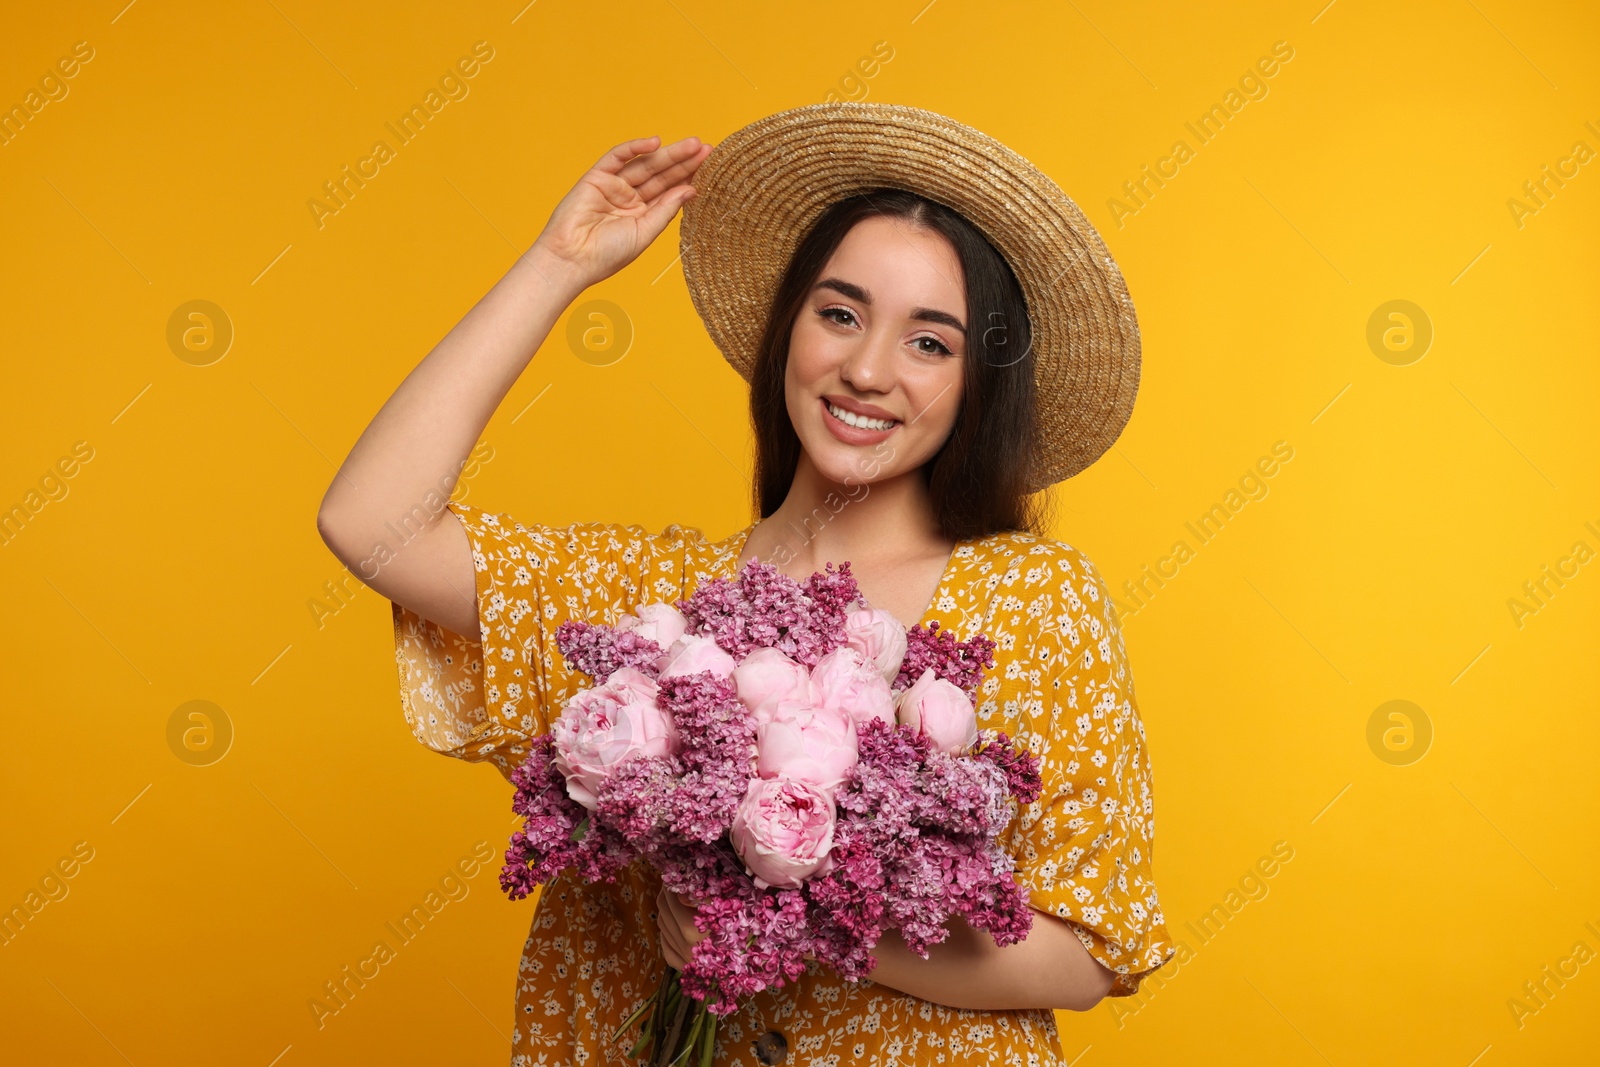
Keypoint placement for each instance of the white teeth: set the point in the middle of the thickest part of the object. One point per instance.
(861, 421)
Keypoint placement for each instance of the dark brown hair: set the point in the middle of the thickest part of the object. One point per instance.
(978, 478)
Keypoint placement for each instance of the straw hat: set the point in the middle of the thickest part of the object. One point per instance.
(761, 189)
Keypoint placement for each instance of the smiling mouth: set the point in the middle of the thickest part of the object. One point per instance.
(860, 422)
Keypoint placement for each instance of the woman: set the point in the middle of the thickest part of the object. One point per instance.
(911, 385)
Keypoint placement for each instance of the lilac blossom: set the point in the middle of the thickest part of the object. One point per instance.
(764, 608)
(959, 662)
(600, 651)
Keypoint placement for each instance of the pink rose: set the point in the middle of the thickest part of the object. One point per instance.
(783, 830)
(941, 712)
(603, 727)
(689, 654)
(807, 743)
(842, 680)
(661, 623)
(767, 676)
(880, 639)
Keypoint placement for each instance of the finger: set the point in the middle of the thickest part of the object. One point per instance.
(614, 160)
(683, 915)
(659, 213)
(677, 174)
(664, 921)
(673, 947)
(670, 915)
(646, 166)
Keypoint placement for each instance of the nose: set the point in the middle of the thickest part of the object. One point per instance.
(870, 365)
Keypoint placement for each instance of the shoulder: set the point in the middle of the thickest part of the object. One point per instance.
(1029, 564)
(1042, 597)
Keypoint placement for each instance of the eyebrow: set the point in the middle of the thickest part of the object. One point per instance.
(855, 292)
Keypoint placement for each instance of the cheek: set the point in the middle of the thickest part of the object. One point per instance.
(811, 353)
(938, 394)
(811, 361)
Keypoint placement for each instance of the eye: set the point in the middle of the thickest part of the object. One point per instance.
(829, 313)
(940, 350)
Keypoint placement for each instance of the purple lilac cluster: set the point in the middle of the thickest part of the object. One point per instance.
(915, 846)
(764, 608)
(916, 831)
(554, 834)
(688, 798)
(961, 663)
(601, 651)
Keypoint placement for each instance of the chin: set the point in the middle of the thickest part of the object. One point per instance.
(851, 474)
(855, 464)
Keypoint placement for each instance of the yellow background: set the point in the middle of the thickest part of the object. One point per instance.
(181, 563)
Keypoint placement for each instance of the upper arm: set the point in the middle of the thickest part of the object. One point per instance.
(428, 570)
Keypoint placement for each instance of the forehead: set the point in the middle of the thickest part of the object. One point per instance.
(897, 261)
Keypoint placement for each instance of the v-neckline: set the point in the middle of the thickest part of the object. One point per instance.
(928, 614)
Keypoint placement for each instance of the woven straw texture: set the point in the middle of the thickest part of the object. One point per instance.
(762, 188)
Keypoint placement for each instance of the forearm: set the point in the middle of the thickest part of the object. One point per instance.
(420, 439)
(1049, 968)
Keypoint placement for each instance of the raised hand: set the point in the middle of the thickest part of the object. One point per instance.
(619, 206)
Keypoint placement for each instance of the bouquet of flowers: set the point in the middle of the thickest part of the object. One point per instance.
(792, 761)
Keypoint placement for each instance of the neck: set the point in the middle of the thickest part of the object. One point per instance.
(822, 520)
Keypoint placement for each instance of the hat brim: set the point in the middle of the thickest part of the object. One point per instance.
(762, 188)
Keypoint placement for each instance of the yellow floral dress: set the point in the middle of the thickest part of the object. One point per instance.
(1060, 686)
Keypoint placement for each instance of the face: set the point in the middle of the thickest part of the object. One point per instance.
(874, 378)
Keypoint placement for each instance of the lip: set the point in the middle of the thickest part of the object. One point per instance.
(853, 435)
(871, 411)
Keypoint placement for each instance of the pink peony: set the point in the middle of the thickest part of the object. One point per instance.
(941, 712)
(604, 727)
(807, 743)
(690, 654)
(783, 830)
(661, 623)
(842, 680)
(766, 676)
(880, 639)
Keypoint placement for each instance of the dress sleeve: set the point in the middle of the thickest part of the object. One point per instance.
(1084, 847)
(486, 696)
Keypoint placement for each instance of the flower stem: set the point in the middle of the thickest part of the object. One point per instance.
(664, 1051)
(640, 1010)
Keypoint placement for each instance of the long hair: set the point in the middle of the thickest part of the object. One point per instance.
(978, 479)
